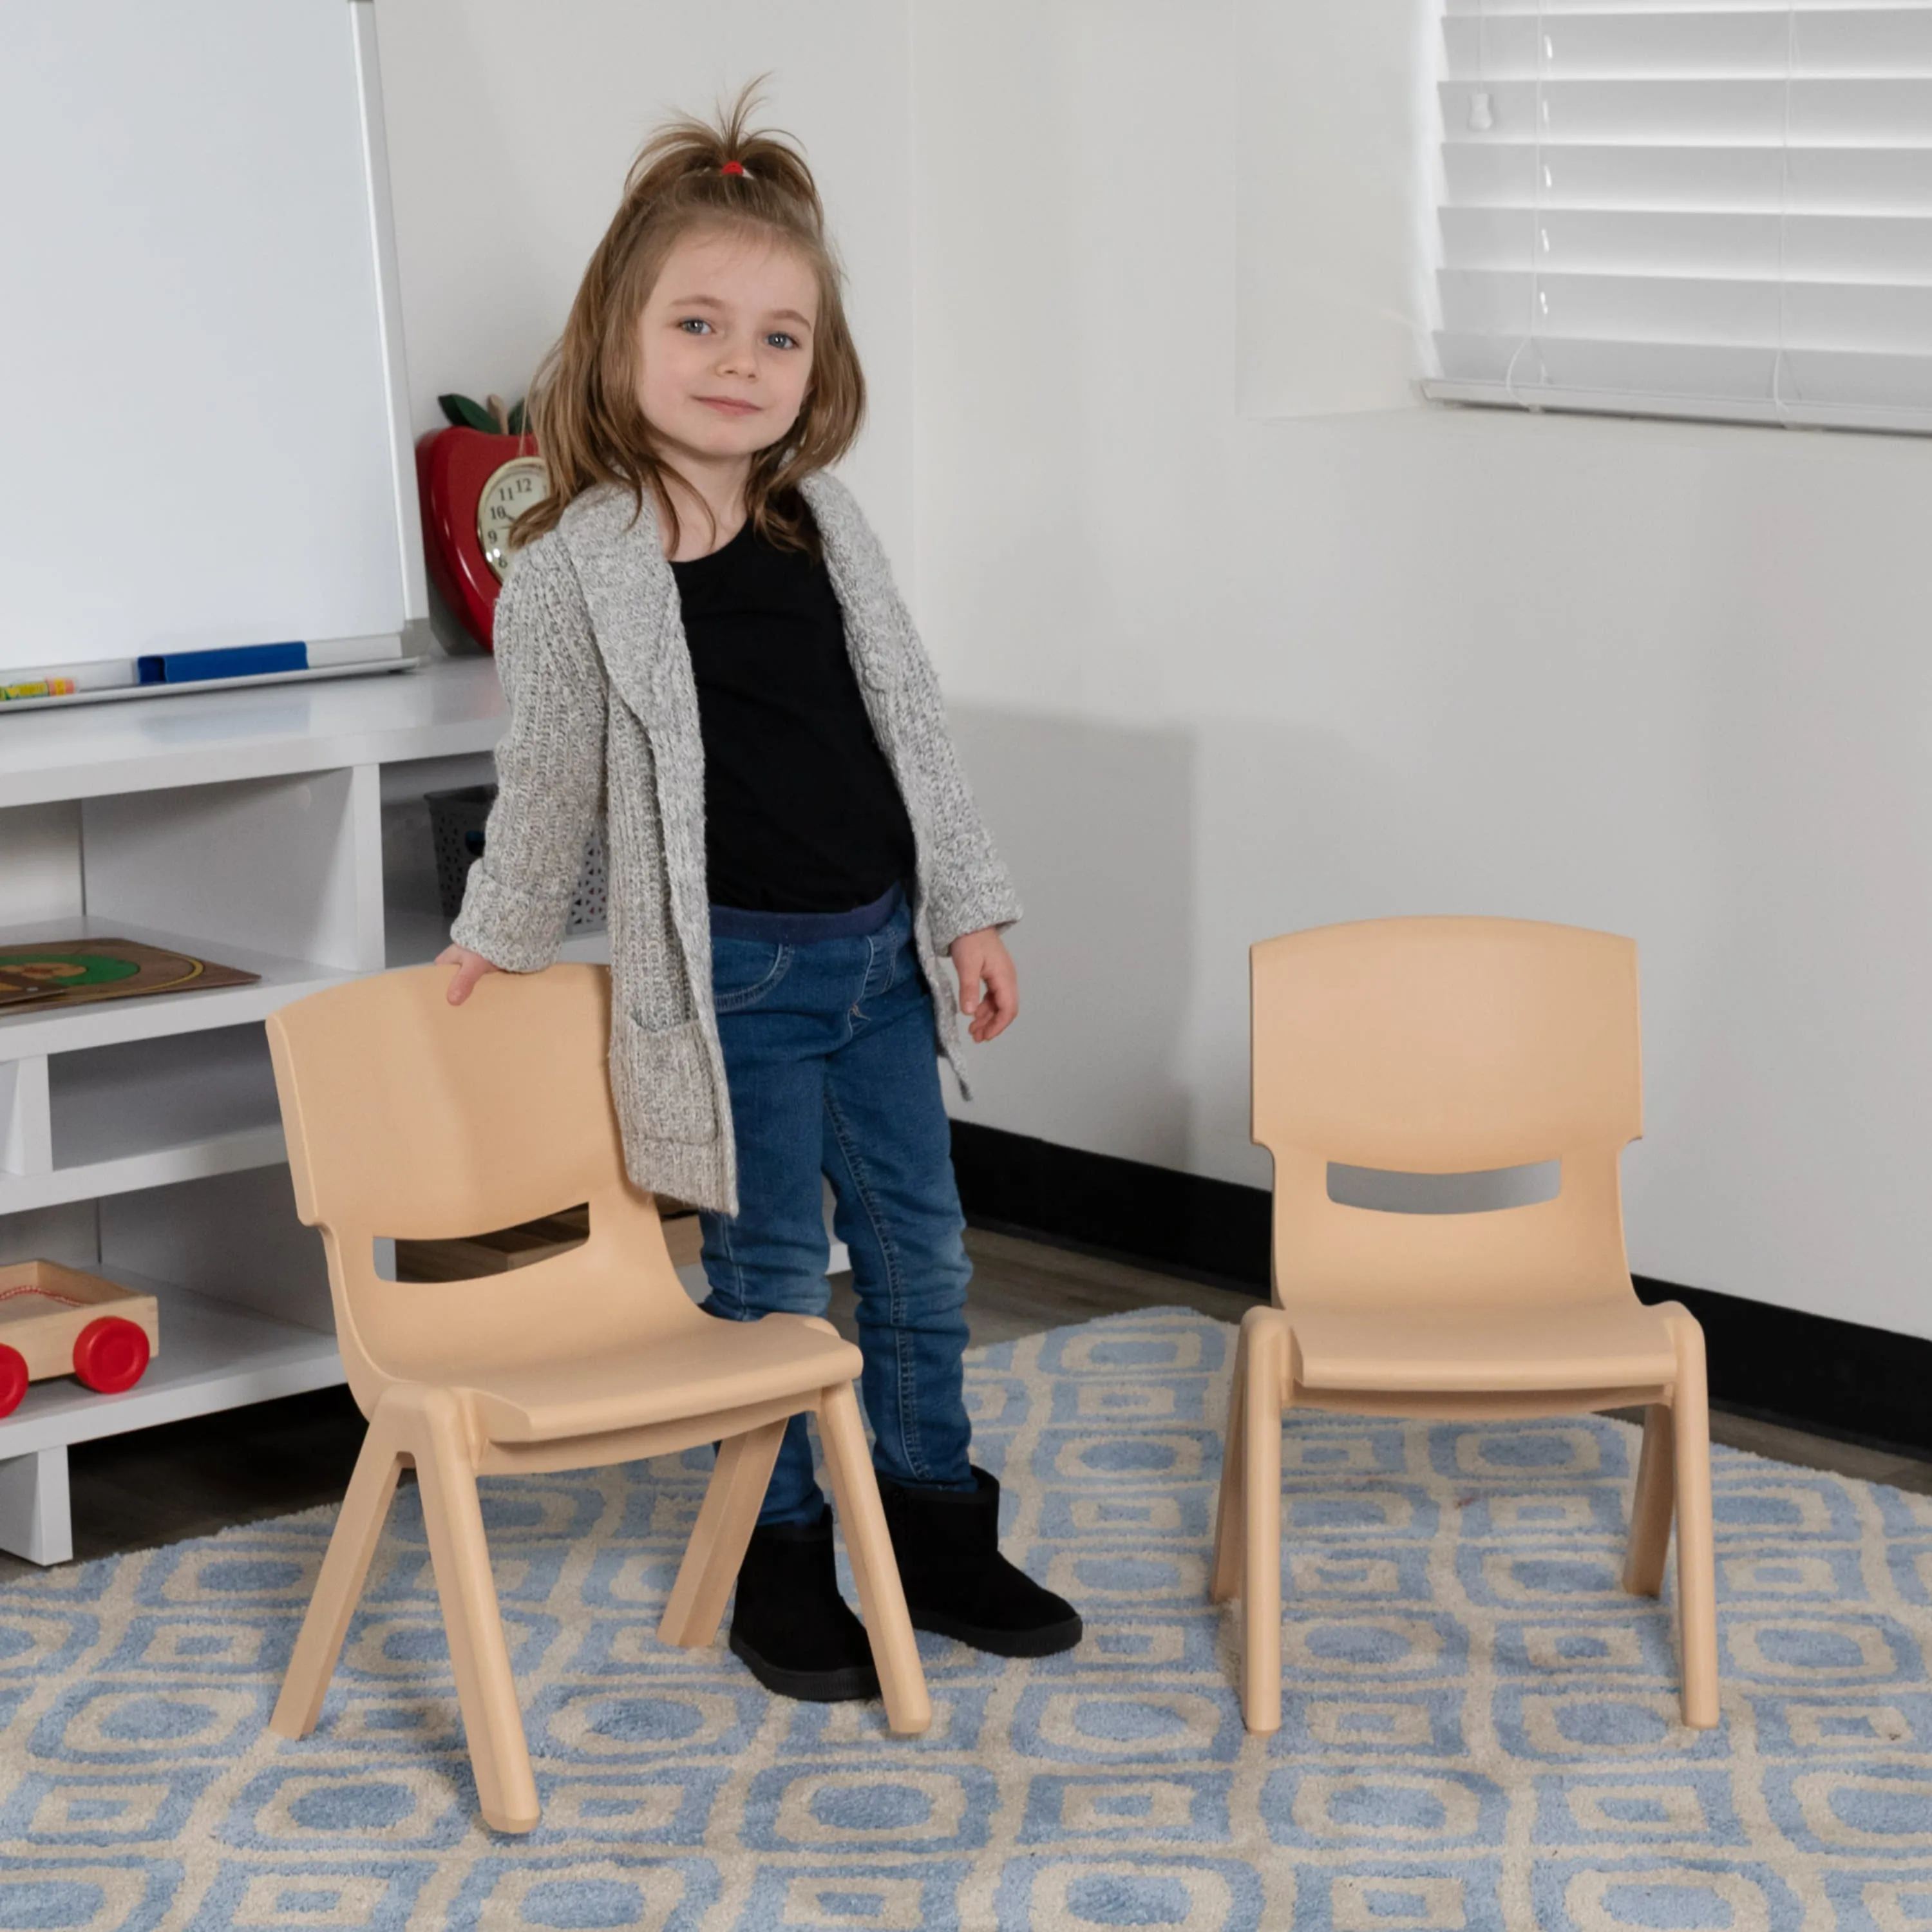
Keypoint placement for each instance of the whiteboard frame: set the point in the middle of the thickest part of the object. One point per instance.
(122, 693)
(388, 297)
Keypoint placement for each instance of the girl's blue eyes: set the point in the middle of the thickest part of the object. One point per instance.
(779, 337)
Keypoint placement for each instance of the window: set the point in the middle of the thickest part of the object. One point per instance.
(1694, 208)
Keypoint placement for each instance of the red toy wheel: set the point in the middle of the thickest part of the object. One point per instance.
(13, 1378)
(111, 1354)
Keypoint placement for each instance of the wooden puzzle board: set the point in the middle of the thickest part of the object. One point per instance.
(73, 972)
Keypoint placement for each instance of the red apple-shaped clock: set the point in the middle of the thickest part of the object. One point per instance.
(475, 479)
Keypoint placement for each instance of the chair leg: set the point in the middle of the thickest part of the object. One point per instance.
(874, 1568)
(1224, 1577)
(506, 1790)
(345, 1568)
(1697, 1563)
(1265, 1388)
(719, 1537)
(1652, 1504)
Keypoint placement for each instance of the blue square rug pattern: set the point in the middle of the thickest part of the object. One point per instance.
(1480, 1727)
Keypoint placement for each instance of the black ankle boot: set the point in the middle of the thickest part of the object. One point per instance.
(947, 1542)
(790, 1624)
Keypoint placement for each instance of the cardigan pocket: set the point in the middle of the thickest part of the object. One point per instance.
(660, 1079)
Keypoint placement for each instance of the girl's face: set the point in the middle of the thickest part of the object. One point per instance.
(724, 346)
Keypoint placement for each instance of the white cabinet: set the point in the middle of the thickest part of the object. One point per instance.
(140, 1137)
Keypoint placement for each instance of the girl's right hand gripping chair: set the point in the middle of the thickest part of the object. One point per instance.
(1445, 1046)
(406, 1116)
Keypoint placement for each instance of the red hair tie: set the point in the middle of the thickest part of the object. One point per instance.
(732, 168)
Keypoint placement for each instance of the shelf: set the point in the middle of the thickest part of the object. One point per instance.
(187, 1160)
(120, 1101)
(212, 1357)
(452, 707)
(110, 1022)
(141, 1097)
(149, 1112)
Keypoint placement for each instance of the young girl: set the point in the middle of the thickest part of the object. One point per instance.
(701, 641)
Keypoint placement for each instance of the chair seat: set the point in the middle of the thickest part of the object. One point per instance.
(721, 1365)
(1594, 1345)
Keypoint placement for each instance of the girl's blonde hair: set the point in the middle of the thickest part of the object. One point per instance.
(583, 402)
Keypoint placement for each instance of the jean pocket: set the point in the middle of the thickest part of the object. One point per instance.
(743, 971)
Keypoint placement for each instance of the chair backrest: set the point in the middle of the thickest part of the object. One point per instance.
(1445, 1045)
(407, 1117)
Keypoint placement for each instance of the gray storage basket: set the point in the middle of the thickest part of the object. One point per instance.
(456, 822)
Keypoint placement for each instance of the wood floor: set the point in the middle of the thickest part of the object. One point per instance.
(192, 1478)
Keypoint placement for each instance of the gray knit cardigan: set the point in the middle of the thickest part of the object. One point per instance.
(591, 649)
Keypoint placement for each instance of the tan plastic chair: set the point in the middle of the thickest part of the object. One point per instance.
(1445, 1046)
(407, 1117)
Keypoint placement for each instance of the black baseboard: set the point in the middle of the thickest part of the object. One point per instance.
(1810, 1371)
(1211, 1230)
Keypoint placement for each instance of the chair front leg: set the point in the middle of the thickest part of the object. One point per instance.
(874, 1568)
(1697, 1560)
(338, 1588)
(1224, 1578)
(1264, 1391)
(506, 1790)
(720, 1537)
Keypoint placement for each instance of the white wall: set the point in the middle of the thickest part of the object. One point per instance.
(512, 123)
(1331, 152)
(1218, 676)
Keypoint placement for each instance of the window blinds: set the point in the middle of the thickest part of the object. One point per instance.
(1695, 208)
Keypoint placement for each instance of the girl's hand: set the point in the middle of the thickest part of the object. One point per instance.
(470, 967)
(981, 960)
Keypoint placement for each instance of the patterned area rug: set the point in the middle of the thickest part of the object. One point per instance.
(1480, 1728)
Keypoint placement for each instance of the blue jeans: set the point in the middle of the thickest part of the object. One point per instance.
(828, 1054)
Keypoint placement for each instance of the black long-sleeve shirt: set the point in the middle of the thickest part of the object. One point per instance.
(802, 812)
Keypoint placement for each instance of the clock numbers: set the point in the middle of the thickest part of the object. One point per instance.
(508, 492)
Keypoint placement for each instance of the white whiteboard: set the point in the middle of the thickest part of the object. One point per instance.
(205, 434)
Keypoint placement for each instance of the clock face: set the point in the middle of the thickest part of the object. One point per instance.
(507, 494)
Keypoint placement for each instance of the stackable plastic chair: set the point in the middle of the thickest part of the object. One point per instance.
(1443, 1046)
(408, 1117)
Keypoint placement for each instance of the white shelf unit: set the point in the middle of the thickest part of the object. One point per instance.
(147, 1112)
(280, 830)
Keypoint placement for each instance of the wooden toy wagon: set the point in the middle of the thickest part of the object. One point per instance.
(55, 1321)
